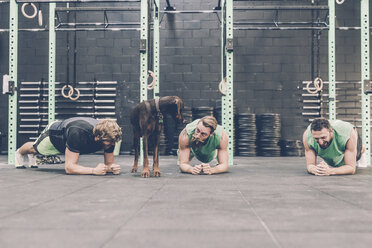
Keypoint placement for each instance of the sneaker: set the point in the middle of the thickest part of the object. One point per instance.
(32, 161)
(19, 161)
(362, 162)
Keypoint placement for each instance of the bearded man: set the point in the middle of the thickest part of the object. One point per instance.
(204, 139)
(337, 143)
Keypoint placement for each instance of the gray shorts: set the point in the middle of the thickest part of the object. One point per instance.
(43, 145)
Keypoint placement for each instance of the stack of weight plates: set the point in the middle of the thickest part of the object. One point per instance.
(246, 133)
(268, 135)
(163, 143)
(200, 112)
(187, 118)
(293, 148)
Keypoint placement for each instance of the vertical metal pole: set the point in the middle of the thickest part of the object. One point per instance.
(223, 39)
(143, 58)
(332, 60)
(365, 62)
(52, 63)
(156, 48)
(13, 71)
(228, 100)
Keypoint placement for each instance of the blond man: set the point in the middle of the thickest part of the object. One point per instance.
(205, 140)
(75, 136)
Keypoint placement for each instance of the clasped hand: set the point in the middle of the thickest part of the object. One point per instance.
(322, 169)
(102, 169)
(206, 168)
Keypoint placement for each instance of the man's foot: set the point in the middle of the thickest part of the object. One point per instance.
(19, 161)
(32, 161)
(362, 162)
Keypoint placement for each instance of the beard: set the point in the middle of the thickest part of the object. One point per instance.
(197, 143)
(325, 144)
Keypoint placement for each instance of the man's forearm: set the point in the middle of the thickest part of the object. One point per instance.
(220, 168)
(186, 168)
(76, 169)
(343, 170)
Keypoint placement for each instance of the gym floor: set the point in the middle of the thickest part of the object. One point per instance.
(262, 202)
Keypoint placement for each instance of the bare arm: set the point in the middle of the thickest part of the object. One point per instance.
(72, 166)
(349, 157)
(223, 156)
(184, 154)
(310, 156)
(110, 164)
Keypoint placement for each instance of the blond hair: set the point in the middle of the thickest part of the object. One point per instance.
(209, 121)
(108, 130)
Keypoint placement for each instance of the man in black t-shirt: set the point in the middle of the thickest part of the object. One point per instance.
(75, 136)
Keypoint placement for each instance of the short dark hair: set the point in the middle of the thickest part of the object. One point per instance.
(320, 123)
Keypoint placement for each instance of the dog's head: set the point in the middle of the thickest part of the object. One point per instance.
(174, 106)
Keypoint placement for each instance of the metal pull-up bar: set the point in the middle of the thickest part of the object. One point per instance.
(190, 11)
(282, 7)
(75, 1)
(65, 9)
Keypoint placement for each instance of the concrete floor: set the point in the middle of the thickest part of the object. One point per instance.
(261, 202)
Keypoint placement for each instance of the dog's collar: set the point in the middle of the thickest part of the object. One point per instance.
(160, 115)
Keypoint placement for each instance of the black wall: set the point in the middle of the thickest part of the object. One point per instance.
(268, 65)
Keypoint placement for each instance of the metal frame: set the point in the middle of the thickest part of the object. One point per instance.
(156, 46)
(13, 55)
(13, 73)
(227, 33)
(144, 49)
(75, 1)
(52, 64)
(365, 77)
(332, 60)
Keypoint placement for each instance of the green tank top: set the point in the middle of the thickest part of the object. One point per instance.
(334, 154)
(207, 152)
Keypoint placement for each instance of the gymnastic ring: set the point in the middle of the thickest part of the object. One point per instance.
(40, 18)
(221, 85)
(318, 85)
(153, 83)
(70, 92)
(24, 12)
(340, 1)
(77, 95)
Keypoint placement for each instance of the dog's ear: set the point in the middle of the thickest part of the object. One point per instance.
(179, 104)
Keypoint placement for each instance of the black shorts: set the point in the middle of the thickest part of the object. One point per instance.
(359, 147)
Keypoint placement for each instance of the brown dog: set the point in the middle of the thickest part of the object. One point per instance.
(147, 122)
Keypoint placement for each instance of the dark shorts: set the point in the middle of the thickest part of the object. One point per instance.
(43, 145)
(359, 147)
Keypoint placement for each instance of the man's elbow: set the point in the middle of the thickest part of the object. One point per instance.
(225, 168)
(353, 170)
(69, 169)
(183, 168)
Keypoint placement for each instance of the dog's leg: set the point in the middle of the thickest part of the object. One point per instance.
(145, 170)
(136, 140)
(155, 167)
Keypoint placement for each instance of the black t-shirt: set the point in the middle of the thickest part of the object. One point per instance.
(77, 135)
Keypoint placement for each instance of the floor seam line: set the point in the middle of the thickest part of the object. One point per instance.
(48, 201)
(133, 215)
(326, 193)
(262, 222)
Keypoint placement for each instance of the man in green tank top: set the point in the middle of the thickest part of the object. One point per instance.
(337, 143)
(205, 140)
